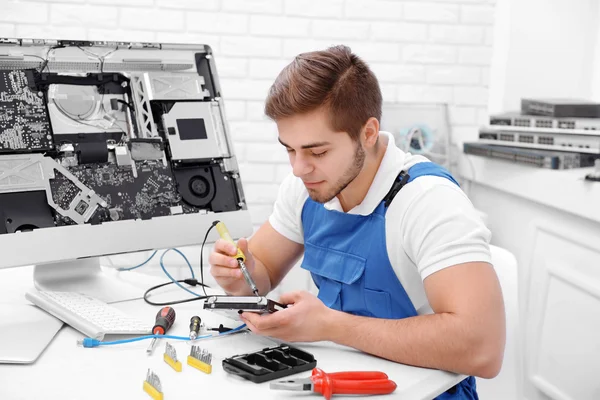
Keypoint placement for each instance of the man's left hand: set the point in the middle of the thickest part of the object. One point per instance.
(304, 320)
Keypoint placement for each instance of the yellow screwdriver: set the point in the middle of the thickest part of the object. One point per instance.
(224, 233)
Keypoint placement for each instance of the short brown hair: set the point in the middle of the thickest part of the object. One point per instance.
(335, 78)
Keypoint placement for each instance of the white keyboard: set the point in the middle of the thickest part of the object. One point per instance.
(90, 316)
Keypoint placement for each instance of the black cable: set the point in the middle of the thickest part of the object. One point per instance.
(191, 282)
(47, 60)
(126, 103)
(201, 252)
(33, 55)
(220, 329)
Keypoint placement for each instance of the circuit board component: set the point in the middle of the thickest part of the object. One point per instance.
(24, 121)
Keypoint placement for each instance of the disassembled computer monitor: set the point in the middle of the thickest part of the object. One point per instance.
(108, 148)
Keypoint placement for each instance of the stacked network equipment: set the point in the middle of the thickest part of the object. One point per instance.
(547, 133)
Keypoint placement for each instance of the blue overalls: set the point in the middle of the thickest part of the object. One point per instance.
(347, 257)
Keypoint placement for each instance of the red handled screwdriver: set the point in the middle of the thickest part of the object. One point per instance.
(164, 321)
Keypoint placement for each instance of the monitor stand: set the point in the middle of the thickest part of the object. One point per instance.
(84, 276)
(26, 330)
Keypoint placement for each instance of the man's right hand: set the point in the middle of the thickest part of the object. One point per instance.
(225, 269)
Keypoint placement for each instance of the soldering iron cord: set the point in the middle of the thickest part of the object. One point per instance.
(91, 342)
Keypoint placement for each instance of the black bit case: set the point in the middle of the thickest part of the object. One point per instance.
(270, 363)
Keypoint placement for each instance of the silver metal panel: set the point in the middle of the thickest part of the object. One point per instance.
(143, 110)
(146, 66)
(195, 149)
(21, 173)
(175, 87)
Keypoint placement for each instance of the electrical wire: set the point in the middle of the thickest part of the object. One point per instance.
(80, 119)
(46, 61)
(33, 55)
(162, 265)
(202, 252)
(191, 282)
(184, 257)
(161, 258)
(139, 265)
(91, 342)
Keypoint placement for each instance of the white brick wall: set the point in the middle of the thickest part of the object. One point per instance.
(421, 50)
(87, 15)
(431, 12)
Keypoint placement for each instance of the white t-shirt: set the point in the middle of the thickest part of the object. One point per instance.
(430, 225)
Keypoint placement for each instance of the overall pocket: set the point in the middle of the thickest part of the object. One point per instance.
(334, 271)
(378, 303)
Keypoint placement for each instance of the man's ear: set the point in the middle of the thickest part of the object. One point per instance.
(370, 133)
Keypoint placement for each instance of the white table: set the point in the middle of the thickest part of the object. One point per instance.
(65, 371)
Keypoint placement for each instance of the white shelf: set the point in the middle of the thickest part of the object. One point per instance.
(565, 190)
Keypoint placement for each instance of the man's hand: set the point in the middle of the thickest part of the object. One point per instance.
(225, 268)
(269, 257)
(304, 320)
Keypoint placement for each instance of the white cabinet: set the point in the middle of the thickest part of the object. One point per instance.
(551, 221)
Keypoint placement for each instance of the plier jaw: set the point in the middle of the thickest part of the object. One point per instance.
(297, 385)
(356, 382)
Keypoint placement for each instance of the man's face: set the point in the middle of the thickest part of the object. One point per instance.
(325, 160)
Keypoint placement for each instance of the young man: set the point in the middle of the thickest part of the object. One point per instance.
(397, 250)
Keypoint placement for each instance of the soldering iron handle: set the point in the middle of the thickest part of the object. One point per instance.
(224, 233)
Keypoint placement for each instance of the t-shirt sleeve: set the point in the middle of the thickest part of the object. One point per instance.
(442, 228)
(286, 217)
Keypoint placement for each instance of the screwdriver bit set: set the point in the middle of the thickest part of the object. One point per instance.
(200, 359)
(170, 357)
(152, 386)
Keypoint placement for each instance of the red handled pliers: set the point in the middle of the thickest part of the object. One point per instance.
(354, 382)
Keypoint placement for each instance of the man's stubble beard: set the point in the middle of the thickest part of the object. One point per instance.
(348, 176)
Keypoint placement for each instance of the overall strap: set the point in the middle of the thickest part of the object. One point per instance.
(401, 180)
(417, 170)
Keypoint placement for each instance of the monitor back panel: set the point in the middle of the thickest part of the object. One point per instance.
(96, 132)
